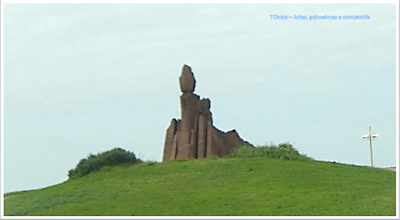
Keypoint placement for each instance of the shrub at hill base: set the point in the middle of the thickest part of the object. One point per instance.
(92, 163)
(282, 151)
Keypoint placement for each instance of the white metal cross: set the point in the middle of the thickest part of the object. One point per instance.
(370, 135)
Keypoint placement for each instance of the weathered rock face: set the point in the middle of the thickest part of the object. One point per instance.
(194, 136)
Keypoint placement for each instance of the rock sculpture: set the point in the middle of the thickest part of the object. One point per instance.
(194, 136)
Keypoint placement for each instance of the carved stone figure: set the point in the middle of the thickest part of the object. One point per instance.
(194, 136)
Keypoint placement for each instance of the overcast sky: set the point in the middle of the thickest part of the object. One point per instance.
(81, 79)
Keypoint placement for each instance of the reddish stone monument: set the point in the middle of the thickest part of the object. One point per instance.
(194, 136)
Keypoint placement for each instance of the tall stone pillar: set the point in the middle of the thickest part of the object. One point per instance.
(188, 106)
(188, 113)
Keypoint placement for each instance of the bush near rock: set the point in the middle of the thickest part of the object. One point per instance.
(283, 151)
(93, 163)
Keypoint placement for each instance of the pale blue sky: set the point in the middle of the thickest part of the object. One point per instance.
(86, 78)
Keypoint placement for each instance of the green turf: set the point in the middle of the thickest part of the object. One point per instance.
(218, 187)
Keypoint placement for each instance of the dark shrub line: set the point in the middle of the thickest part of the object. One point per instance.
(93, 163)
(282, 151)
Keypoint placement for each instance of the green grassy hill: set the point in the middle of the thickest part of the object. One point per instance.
(217, 187)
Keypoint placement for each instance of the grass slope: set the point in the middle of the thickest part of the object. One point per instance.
(217, 187)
